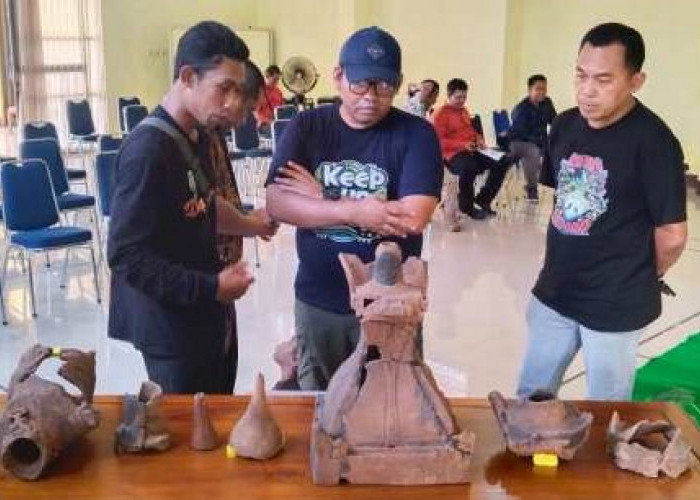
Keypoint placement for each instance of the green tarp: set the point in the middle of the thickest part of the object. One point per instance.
(673, 376)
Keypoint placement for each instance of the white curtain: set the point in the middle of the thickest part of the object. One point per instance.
(59, 46)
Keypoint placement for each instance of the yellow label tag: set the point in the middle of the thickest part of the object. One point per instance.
(545, 460)
(55, 351)
(230, 451)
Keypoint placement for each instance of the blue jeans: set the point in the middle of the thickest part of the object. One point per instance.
(554, 340)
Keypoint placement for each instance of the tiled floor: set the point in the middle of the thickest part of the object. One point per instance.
(474, 331)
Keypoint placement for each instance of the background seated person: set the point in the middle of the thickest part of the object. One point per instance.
(422, 101)
(529, 131)
(459, 143)
(269, 99)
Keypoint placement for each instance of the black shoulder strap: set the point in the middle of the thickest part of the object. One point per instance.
(200, 178)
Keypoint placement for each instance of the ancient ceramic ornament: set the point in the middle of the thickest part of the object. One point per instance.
(257, 435)
(628, 452)
(204, 436)
(41, 418)
(541, 424)
(383, 419)
(143, 427)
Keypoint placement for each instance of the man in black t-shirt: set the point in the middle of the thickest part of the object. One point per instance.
(169, 289)
(349, 176)
(618, 223)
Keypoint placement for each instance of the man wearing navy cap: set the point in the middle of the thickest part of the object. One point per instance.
(349, 176)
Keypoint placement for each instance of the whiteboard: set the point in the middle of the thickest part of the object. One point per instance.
(258, 40)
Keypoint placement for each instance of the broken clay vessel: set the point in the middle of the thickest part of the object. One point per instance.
(143, 427)
(541, 424)
(383, 419)
(204, 437)
(41, 418)
(625, 445)
(257, 435)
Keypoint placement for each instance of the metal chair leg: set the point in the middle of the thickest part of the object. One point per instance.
(2, 294)
(98, 232)
(48, 261)
(64, 271)
(30, 274)
(94, 274)
(257, 252)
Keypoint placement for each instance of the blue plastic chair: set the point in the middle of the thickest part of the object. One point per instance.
(108, 142)
(501, 127)
(133, 114)
(285, 112)
(123, 102)
(48, 151)
(32, 221)
(80, 125)
(278, 127)
(104, 173)
(47, 130)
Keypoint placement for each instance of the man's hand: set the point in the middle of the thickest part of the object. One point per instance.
(480, 142)
(471, 147)
(266, 228)
(387, 218)
(295, 178)
(233, 282)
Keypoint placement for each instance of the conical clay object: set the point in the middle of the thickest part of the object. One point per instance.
(204, 436)
(257, 435)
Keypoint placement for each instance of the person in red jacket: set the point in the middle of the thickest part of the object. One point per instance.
(269, 99)
(460, 143)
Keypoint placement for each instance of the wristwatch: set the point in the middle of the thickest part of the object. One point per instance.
(331, 193)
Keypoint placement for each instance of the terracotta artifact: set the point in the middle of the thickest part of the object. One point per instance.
(672, 456)
(541, 424)
(257, 435)
(383, 419)
(204, 436)
(41, 418)
(143, 427)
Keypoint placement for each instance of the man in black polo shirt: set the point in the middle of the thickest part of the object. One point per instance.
(169, 288)
(619, 223)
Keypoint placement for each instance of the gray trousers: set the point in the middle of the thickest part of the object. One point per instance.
(531, 157)
(325, 339)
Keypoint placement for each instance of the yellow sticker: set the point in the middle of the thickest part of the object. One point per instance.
(55, 351)
(545, 459)
(230, 451)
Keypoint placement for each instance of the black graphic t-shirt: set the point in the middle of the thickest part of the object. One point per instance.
(614, 186)
(400, 156)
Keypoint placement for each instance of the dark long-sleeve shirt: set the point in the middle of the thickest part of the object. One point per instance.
(164, 262)
(530, 121)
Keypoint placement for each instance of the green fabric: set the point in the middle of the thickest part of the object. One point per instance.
(673, 376)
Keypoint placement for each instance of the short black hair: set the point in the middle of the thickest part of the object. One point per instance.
(456, 85)
(536, 78)
(273, 70)
(436, 85)
(610, 33)
(204, 46)
(254, 81)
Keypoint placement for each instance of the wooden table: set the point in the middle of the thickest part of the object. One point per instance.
(90, 470)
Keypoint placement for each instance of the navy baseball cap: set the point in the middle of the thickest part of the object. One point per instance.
(371, 53)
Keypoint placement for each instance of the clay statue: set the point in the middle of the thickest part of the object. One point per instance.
(257, 435)
(628, 453)
(143, 427)
(383, 419)
(541, 424)
(204, 436)
(41, 418)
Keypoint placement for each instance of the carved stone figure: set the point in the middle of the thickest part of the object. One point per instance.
(41, 418)
(257, 435)
(204, 435)
(626, 444)
(383, 419)
(541, 424)
(143, 427)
